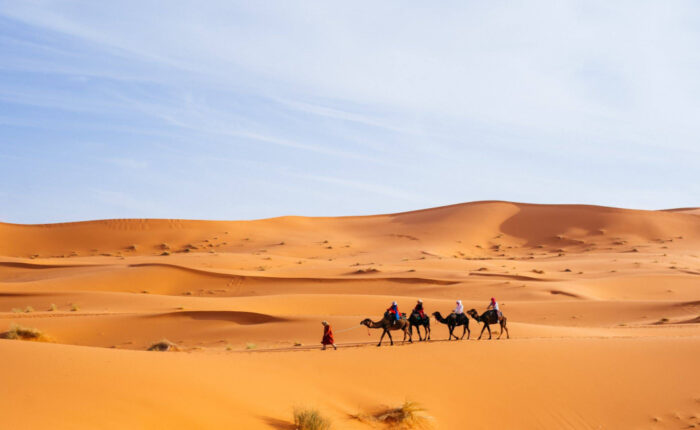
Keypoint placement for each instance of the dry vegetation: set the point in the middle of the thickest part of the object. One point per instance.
(163, 345)
(24, 333)
(310, 419)
(410, 415)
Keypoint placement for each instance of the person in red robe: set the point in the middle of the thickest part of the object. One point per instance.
(327, 336)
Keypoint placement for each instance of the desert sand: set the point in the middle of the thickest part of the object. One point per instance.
(603, 308)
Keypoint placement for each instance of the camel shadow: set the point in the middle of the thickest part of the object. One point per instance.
(279, 424)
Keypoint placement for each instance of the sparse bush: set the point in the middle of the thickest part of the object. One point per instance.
(310, 419)
(16, 310)
(538, 271)
(163, 345)
(52, 308)
(250, 345)
(28, 309)
(165, 253)
(74, 307)
(409, 415)
(23, 333)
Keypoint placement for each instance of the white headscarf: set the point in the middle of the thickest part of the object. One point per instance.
(459, 309)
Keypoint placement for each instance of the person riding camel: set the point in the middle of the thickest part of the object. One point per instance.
(394, 309)
(494, 305)
(459, 309)
(327, 336)
(419, 309)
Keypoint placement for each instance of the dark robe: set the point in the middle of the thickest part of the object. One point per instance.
(327, 336)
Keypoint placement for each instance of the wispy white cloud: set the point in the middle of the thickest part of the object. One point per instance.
(128, 163)
(359, 95)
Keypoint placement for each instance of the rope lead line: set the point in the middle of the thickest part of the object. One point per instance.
(351, 328)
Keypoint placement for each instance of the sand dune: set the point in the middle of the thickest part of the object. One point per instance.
(603, 307)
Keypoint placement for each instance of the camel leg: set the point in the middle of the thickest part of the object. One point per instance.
(451, 330)
(469, 332)
(504, 326)
(464, 330)
(382, 338)
(391, 339)
(482, 330)
(427, 332)
(488, 326)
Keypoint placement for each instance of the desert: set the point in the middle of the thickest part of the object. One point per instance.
(602, 303)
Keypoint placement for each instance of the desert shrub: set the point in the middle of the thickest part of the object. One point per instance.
(409, 415)
(310, 419)
(163, 345)
(250, 345)
(52, 308)
(74, 307)
(23, 333)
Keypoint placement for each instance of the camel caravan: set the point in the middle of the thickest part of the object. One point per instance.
(393, 320)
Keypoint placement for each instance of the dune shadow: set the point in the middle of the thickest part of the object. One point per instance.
(238, 317)
(278, 424)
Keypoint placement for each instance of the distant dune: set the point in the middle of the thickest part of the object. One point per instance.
(603, 306)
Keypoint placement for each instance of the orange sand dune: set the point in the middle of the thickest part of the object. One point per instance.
(603, 308)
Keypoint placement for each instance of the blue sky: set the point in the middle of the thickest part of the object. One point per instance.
(239, 110)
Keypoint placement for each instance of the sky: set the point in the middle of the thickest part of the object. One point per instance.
(244, 110)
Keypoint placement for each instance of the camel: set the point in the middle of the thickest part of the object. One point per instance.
(489, 317)
(452, 321)
(388, 323)
(416, 320)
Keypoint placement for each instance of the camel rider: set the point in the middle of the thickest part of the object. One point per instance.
(394, 309)
(459, 309)
(494, 305)
(419, 309)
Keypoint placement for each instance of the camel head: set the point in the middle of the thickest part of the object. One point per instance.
(366, 322)
(472, 313)
(438, 317)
